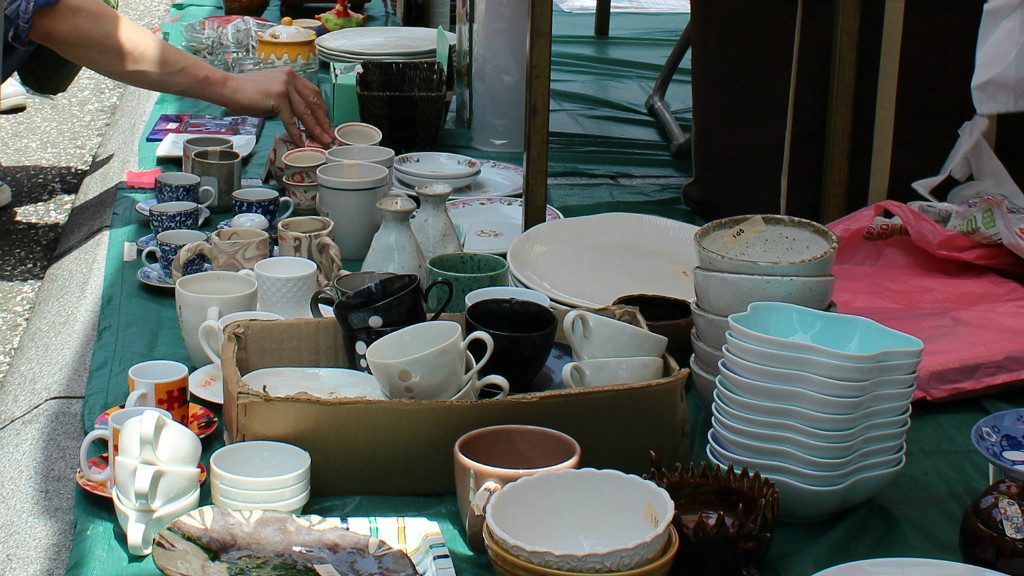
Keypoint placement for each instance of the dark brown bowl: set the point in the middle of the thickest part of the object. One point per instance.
(725, 519)
(669, 317)
(992, 529)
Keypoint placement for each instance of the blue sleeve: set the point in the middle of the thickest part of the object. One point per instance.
(17, 18)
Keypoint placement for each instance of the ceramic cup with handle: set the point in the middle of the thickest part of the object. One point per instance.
(152, 486)
(425, 361)
(168, 245)
(497, 386)
(229, 249)
(489, 458)
(211, 332)
(152, 438)
(608, 371)
(594, 336)
(112, 435)
(466, 272)
(310, 237)
(220, 169)
(217, 293)
(141, 526)
(183, 187)
(378, 155)
(161, 384)
(262, 201)
(523, 334)
(195, 143)
(176, 216)
(286, 284)
(300, 164)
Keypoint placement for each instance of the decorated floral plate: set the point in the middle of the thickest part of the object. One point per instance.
(146, 241)
(100, 463)
(213, 540)
(143, 206)
(495, 179)
(200, 419)
(592, 260)
(490, 224)
(1000, 438)
(153, 275)
(207, 384)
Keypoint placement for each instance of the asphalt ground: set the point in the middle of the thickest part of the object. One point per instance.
(61, 158)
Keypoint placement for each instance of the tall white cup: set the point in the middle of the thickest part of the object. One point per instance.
(210, 295)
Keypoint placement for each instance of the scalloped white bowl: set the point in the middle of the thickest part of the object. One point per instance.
(844, 371)
(812, 382)
(582, 520)
(885, 428)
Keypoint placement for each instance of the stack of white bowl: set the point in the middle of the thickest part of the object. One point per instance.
(819, 402)
(426, 168)
(260, 475)
(745, 259)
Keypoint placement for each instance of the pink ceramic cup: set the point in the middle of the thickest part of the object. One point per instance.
(489, 458)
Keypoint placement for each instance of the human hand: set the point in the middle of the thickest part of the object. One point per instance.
(282, 92)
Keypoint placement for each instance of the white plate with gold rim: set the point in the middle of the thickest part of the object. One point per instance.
(495, 179)
(491, 223)
(592, 260)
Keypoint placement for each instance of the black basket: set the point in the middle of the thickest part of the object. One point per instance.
(408, 122)
(406, 100)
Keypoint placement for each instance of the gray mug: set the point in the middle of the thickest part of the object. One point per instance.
(220, 169)
(196, 143)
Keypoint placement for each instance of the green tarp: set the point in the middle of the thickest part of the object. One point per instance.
(598, 129)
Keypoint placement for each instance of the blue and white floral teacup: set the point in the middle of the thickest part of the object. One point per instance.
(263, 201)
(176, 216)
(169, 243)
(182, 187)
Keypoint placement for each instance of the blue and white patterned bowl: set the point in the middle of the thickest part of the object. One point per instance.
(1000, 438)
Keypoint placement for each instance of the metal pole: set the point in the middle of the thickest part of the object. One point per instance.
(538, 95)
(835, 180)
(602, 17)
(885, 101)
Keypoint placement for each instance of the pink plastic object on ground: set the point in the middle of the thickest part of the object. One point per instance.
(145, 179)
(931, 282)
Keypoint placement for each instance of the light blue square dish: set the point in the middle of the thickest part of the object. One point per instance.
(841, 337)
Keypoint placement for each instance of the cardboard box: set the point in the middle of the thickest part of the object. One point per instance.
(404, 447)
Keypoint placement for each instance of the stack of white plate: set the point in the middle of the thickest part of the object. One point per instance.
(819, 402)
(379, 43)
(427, 168)
(745, 259)
(260, 475)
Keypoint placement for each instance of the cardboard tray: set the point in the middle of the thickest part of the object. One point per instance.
(404, 447)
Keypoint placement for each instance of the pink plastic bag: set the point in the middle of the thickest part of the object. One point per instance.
(920, 278)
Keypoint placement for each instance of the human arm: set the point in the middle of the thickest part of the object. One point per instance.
(90, 33)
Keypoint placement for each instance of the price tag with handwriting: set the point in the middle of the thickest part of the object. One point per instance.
(744, 231)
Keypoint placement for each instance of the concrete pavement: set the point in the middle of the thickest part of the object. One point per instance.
(60, 157)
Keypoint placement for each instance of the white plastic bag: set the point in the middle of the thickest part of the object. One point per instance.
(998, 83)
(972, 156)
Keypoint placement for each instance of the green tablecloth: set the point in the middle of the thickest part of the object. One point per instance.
(598, 128)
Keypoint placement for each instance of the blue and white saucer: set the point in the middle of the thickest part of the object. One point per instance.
(144, 206)
(153, 275)
(146, 241)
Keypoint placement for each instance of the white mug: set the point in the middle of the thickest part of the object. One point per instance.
(593, 336)
(141, 526)
(426, 361)
(286, 284)
(195, 295)
(161, 384)
(608, 371)
(151, 487)
(112, 435)
(155, 439)
(211, 332)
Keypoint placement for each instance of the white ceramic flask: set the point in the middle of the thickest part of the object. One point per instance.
(433, 227)
(394, 247)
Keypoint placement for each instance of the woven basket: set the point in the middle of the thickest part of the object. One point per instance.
(406, 100)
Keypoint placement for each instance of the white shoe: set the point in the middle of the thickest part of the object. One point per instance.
(13, 97)
(5, 194)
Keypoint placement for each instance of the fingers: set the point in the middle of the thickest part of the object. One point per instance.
(288, 119)
(310, 109)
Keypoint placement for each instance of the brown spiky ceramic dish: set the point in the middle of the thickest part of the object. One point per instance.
(724, 518)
